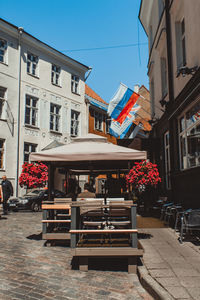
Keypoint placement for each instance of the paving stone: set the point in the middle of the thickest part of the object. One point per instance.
(194, 292)
(161, 273)
(168, 281)
(190, 281)
(181, 278)
(152, 265)
(30, 271)
(178, 292)
(182, 272)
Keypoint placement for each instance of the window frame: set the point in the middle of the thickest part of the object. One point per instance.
(98, 120)
(181, 55)
(28, 152)
(32, 63)
(55, 74)
(5, 54)
(75, 84)
(183, 134)
(164, 83)
(2, 150)
(167, 160)
(152, 97)
(77, 123)
(33, 110)
(108, 124)
(2, 101)
(55, 115)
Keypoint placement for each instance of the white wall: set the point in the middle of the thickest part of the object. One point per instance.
(44, 90)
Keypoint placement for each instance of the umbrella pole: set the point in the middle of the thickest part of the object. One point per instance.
(129, 190)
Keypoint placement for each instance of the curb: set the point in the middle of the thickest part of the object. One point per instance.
(151, 285)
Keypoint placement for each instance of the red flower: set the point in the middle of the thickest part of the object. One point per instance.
(143, 174)
(33, 175)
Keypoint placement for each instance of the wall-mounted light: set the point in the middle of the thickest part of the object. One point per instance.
(163, 102)
(186, 71)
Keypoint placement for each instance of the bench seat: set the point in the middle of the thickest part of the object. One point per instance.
(56, 221)
(102, 231)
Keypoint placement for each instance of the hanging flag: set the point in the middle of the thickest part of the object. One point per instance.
(122, 109)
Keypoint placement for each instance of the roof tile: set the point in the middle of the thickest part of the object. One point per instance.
(93, 95)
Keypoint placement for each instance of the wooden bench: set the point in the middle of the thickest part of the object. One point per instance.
(56, 221)
(62, 200)
(100, 231)
(84, 254)
(49, 218)
(97, 223)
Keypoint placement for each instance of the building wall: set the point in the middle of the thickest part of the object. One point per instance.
(184, 94)
(189, 10)
(41, 88)
(92, 129)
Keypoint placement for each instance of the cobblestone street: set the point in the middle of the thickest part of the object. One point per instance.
(28, 270)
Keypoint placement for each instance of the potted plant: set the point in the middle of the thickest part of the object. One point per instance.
(144, 178)
(33, 175)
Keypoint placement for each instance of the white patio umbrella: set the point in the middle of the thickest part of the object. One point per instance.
(88, 148)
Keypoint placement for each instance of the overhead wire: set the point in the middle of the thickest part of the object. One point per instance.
(138, 29)
(105, 47)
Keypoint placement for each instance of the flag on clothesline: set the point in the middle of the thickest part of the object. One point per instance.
(122, 109)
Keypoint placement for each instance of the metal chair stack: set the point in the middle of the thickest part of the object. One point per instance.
(190, 221)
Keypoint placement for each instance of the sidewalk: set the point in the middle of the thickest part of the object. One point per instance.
(174, 266)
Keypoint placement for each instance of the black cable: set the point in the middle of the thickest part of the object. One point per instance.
(106, 47)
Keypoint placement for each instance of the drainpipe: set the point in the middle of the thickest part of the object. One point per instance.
(169, 51)
(88, 74)
(20, 31)
(172, 122)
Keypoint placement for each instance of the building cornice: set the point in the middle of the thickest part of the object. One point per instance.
(145, 13)
(30, 39)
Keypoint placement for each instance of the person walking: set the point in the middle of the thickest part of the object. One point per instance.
(7, 191)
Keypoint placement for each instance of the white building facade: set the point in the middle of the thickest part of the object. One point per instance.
(41, 98)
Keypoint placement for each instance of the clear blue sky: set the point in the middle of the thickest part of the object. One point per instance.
(78, 24)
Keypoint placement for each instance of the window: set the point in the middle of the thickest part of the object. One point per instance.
(3, 50)
(189, 137)
(2, 148)
(55, 75)
(2, 100)
(32, 63)
(54, 117)
(163, 64)
(31, 110)
(28, 148)
(152, 98)
(75, 84)
(98, 121)
(74, 123)
(108, 123)
(180, 44)
(167, 159)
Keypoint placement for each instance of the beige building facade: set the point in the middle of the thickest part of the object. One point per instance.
(172, 27)
(41, 98)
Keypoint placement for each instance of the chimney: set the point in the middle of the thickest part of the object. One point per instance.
(136, 88)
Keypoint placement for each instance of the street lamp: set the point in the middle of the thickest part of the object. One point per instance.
(186, 71)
